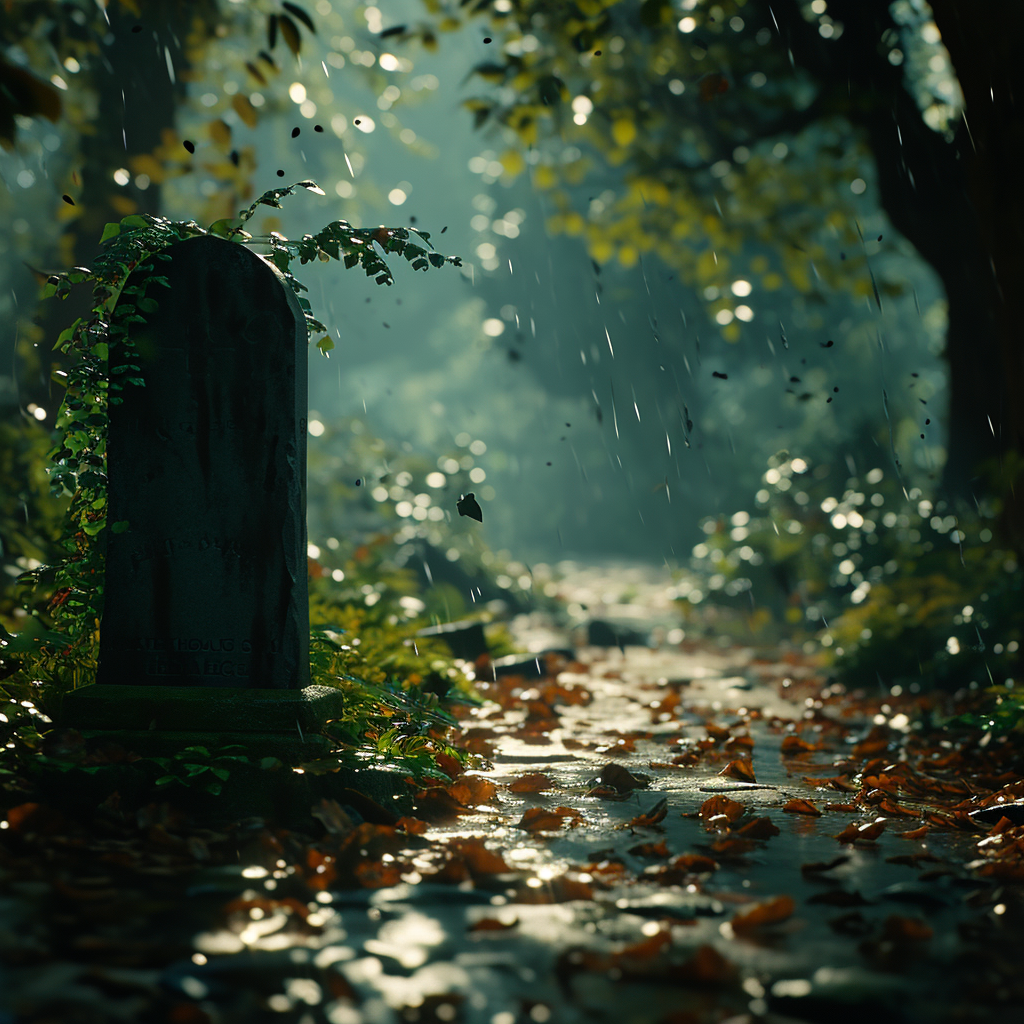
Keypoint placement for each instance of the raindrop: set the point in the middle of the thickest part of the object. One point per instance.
(233, 157)
(720, 376)
(597, 53)
(359, 482)
(318, 127)
(295, 132)
(280, 174)
(487, 39)
(356, 121)
(190, 146)
(444, 229)
(826, 344)
(68, 200)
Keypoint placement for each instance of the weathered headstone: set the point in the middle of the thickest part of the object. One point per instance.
(206, 579)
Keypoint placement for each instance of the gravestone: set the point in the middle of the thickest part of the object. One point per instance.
(206, 464)
(205, 623)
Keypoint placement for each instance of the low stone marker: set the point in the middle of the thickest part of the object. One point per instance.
(205, 624)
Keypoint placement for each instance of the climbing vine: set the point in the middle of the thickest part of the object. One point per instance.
(77, 461)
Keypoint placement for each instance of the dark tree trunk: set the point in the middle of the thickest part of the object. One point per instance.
(954, 201)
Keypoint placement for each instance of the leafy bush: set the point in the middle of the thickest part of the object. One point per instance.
(893, 586)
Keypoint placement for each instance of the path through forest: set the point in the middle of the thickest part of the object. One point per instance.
(688, 833)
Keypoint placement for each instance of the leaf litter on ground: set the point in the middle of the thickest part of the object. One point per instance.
(548, 869)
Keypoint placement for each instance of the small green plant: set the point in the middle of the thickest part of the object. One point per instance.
(200, 767)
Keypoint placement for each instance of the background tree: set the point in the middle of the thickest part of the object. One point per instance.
(731, 139)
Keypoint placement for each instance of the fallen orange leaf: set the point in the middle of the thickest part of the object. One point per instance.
(411, 826)
(653, 815)
(793, 745)
(867, 832)
(532, 782)
(732, 809)
(800, 806)
(708, 967)
(492, 924)
(472, 790)
(540, 819)
(772, 912)
(739, 769)
(758, 828)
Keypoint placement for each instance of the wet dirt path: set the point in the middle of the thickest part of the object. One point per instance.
(680, 834)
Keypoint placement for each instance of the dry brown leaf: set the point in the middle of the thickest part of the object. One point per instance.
(687, 760)
(540, 819)
(740, 769)
(817, 867)
(719, 804)
(479, 859)
(916, 833)
(652, 815)
(472, 790)
(708, 967)
(793, 746)
(800, 806)
(492, 924)
(758, 828)
(620, 778)
(906, 929)
(411, 826)
(771, 912)
(658, 849)
(531, 782)
(866, 832)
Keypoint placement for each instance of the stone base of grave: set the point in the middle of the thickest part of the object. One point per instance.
(160, 720)
(276, 795)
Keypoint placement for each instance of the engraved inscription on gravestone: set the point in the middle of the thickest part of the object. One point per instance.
(207, 584)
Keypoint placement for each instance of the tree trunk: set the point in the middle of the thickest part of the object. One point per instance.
(954, 201)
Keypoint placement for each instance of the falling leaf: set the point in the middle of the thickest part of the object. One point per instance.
(299, 13)
(740, 769)
(798, 805)
(772, 912)
(244, 109)
(467, 505)
(290, 33)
